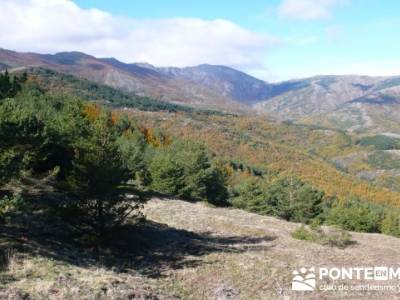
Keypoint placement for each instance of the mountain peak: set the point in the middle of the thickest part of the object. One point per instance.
(67, 58)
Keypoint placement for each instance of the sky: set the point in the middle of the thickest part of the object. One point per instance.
(271, 39)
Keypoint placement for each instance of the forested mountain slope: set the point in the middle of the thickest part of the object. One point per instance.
(351, 102)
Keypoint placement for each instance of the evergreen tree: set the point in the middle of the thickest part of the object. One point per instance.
(287, 198)
(97, 181)
(10, 86)
(250, 195)
(185, 169)
(357, 215)
(294, 200)
(166, 174)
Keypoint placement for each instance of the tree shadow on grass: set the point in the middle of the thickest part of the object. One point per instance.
(149, 248)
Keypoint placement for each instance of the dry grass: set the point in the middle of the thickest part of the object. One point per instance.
(209, 253)
(265, 273)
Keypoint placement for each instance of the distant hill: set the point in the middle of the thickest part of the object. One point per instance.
(127, 77)
(231, 83)
(56, 82)
(360, 103)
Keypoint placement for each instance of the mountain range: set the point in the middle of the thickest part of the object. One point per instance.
(351, 102)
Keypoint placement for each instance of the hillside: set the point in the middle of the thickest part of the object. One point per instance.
(353, 102)
(127, 77)
(80, 161)
(231, 83)
(200, 253)
(356, 103)
(361, 116)
(54, 82)
(193, 85)
(305, 151)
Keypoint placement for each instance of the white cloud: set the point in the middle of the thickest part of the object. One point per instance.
(60, 25)
(307, 9)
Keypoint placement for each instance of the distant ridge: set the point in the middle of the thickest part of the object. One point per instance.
(349, 102)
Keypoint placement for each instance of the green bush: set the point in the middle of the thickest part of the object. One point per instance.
(216, 191)
(287, 198)
(250, 195)
(166, 174)
(307, 204)
(304, 234)
(185, 169)
(391, 224)
(314, 234)
(356, 215)
(37, 133)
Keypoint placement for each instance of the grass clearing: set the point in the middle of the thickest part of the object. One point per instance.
(194, 251)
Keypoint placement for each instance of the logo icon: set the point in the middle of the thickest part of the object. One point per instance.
(304, 280)
(381, 273)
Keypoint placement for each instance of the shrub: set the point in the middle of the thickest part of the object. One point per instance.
(216, 191)
(356, 215)
(391, 224)
(341, 239)
(185, 169)
(307, 204)
(293, 200)
(304, 234)
(287, 198)
(250, 195)
(166, 174)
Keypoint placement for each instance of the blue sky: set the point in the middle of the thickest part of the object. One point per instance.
(274, 40)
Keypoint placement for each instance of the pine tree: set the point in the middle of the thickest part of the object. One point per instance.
(10, 86)
(97, 181)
